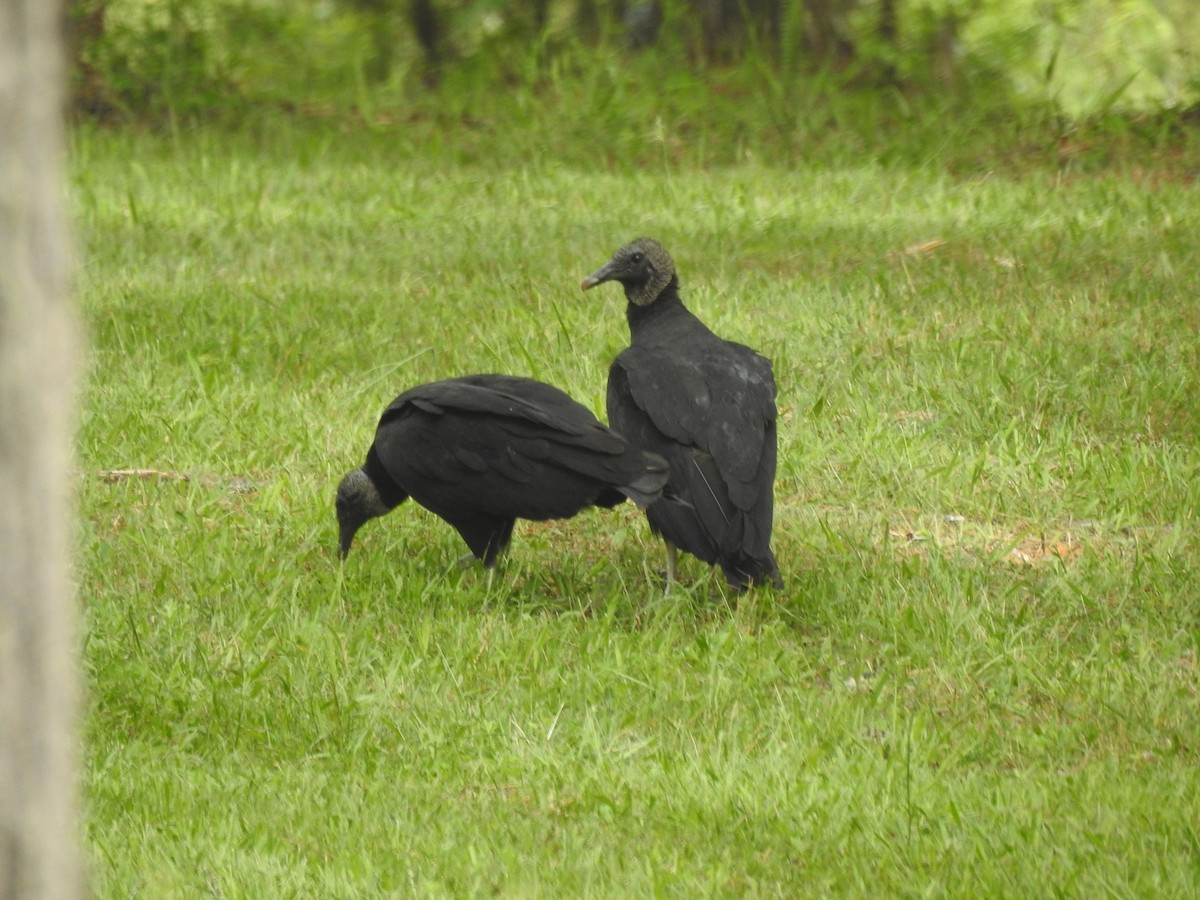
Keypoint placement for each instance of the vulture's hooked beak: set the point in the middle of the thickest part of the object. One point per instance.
(601, 275)
(347, 528)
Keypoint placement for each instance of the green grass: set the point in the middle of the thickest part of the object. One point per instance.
(981, 679)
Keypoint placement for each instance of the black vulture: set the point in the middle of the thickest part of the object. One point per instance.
(483, 450)
(704, 404)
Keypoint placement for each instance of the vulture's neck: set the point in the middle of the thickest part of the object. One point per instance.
(666, 307)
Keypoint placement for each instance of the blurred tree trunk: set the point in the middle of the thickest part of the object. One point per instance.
(378, 17)
(889, 36)
(83, 26)
(593, 18)
(38, 352)
(728, 27)
(825, 32)
(889, 28)
(943, 50)
(540, 14)
(430, 29)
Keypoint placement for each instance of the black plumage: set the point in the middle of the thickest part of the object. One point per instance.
(707, 406)
(484, 450)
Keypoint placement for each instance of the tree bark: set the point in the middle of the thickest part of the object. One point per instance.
(38, 367)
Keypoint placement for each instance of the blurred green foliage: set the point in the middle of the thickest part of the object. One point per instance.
(154, 58)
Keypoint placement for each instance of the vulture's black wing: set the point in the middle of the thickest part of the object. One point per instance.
(508, 447)
(708, 407)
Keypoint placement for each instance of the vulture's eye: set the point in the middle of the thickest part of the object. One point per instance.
(637, 258)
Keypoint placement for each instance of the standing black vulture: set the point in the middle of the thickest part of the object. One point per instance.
(483, 450)
(707, 406)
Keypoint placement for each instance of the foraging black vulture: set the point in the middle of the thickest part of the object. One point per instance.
(707, 406)
(483, 450)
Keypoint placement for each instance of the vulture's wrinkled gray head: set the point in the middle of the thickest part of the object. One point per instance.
(358, 502)
(643, 267)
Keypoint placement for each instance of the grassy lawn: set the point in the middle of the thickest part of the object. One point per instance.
(981, 679)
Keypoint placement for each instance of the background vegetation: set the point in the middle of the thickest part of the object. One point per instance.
(139, 57)
(978, 286)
